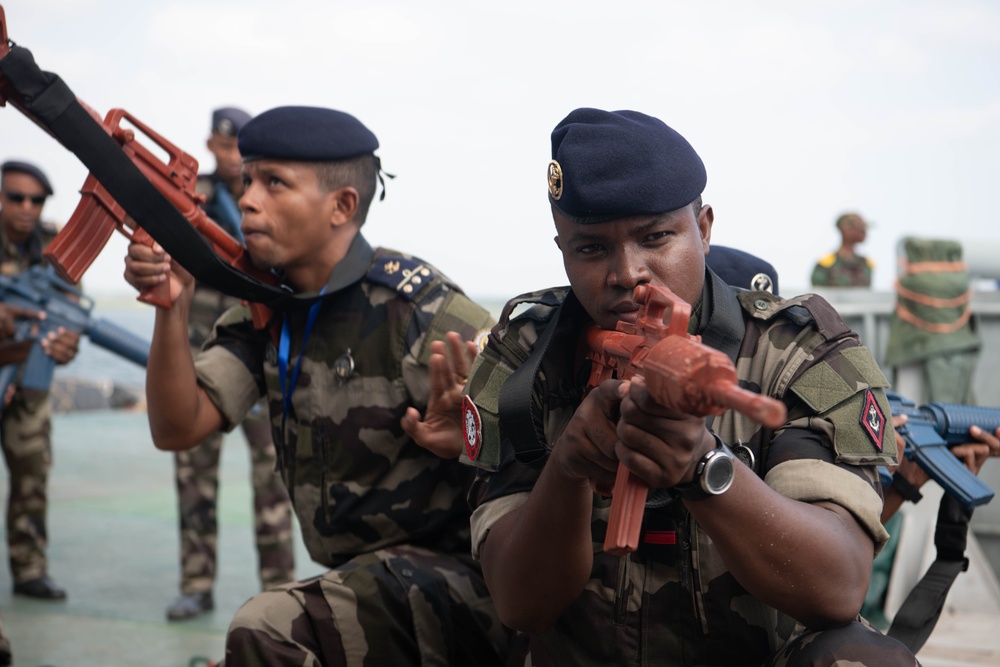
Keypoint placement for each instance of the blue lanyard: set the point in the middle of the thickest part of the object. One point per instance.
(283, 351)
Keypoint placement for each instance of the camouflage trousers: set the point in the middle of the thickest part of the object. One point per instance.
(25, 434)
(197, 478)
(393, 607)
(5, 652)
(856, 644)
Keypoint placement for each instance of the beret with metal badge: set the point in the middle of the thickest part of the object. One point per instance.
(611, 164)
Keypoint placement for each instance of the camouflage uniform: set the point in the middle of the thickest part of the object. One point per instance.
(389, 518)
(835, 271)
(25, 433)
(674, 601)
(196, 470)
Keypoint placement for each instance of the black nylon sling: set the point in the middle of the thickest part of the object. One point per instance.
(520, 422)
(919, 613)
(51, 103)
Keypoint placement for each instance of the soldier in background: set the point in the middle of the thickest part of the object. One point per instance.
(197, 469)
(845, 267)
(10, 353)
(26, 424)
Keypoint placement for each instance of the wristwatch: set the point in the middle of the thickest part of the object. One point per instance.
(713, 475)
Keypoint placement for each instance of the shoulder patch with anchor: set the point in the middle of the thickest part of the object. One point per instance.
(873, 420)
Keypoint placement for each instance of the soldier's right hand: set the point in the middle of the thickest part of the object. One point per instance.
(9, 316)
(147, 267)
(586, 448)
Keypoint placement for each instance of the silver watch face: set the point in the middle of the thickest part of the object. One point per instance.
(718, 474)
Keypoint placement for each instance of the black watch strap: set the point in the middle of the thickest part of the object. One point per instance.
(906, 488)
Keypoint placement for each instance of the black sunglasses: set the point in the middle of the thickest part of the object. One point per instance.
(19, 197)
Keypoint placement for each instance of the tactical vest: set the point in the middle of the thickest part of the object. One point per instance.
(797, 350)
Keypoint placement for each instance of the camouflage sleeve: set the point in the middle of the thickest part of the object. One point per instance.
(229, 367)
(804, 468)
(447, 310)
(839, 432)
(489, 513)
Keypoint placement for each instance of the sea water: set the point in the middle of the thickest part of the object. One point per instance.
(94, 363)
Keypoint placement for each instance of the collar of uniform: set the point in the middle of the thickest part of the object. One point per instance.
(720, 322)
(8, 247)
(353, 267)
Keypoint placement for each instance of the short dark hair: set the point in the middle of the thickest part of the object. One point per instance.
(360, 173)
(696, 206)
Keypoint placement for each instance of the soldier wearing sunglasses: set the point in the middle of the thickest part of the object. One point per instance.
(26, 422)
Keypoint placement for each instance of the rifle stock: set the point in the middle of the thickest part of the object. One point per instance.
(681, 373)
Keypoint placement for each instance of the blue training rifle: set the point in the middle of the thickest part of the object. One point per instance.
(39, 288)
(931, 430)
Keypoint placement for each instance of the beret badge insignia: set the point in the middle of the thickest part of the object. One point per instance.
(472, 428)
(555, 180)
(762, 283)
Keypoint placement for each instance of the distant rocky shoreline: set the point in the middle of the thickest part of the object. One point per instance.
(70, 394)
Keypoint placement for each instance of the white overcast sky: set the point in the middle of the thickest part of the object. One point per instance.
(800, 110)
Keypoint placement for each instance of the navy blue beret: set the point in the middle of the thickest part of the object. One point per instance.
(228, 121)
(741, 269)
(29, 169)
(309, 134)
(612, 164)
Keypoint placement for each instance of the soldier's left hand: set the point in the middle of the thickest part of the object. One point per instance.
(440, 431)
(974, 454)
(61, 344)
(659, 445)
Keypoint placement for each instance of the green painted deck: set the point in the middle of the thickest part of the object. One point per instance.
(113, 543)
(114, 546)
